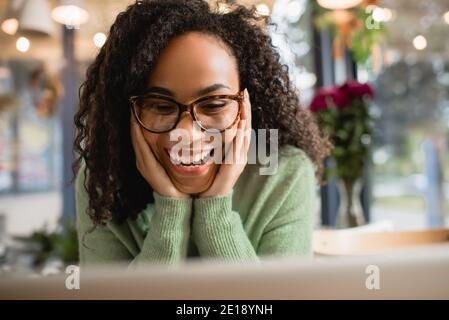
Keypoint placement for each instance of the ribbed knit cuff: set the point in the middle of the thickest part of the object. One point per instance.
(213, 209)
(172, 214)
(218, 231)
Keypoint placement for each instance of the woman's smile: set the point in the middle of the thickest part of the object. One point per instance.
(189, 161)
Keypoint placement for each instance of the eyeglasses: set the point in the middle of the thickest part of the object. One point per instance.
(159, 114)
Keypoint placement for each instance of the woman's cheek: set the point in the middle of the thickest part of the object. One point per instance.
(152, 140)
(228, 138)
(230, 134)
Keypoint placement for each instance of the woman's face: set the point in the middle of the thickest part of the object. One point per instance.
(193, 65)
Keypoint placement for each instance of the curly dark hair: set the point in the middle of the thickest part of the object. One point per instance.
(116, 188)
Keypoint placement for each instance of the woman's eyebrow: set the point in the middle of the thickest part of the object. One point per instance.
(211, 88)
(161, 90)
(201, 92)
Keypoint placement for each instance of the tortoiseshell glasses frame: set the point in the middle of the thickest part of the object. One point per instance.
(190, 108)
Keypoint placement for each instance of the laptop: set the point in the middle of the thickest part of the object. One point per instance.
(415, 273)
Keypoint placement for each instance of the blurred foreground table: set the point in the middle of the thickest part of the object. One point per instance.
(413, 273)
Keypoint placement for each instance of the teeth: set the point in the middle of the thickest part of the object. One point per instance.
(197, 158)
(188, 160)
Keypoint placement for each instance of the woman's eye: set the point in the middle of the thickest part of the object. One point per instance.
(163, 109)
(213, 106)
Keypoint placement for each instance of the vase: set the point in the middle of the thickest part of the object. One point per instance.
(350, 213)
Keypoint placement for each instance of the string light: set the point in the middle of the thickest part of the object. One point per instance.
(446, 17)
(263, 9)
(99, 39)
(420, 42)
(23, 44)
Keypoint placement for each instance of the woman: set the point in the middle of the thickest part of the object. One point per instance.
(177, 66)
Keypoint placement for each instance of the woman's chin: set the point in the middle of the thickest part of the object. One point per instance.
(194, 185)
(191, 189)
(194, 188)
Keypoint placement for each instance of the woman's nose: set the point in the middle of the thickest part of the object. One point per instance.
(191, 130)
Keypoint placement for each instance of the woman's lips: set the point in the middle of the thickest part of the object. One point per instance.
(198, 169)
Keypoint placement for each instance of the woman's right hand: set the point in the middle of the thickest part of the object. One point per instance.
(149, 167)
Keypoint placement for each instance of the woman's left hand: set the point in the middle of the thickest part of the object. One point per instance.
(229, 172)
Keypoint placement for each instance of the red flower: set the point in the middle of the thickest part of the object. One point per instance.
(355, 89)
(323, 95)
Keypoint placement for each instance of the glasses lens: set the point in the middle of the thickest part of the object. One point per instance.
(217, 113)
(157, 114)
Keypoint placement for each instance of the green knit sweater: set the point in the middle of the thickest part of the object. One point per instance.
(263, 215)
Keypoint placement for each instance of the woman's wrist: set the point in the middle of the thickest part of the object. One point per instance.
(172, 193)
(216, 192)
(220, 194)
(172, 205)
(214, 201)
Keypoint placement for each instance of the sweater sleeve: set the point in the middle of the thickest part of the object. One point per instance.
(219, 233)
(290, 231)
(218, 230)
(168, 234)
(165, 242)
